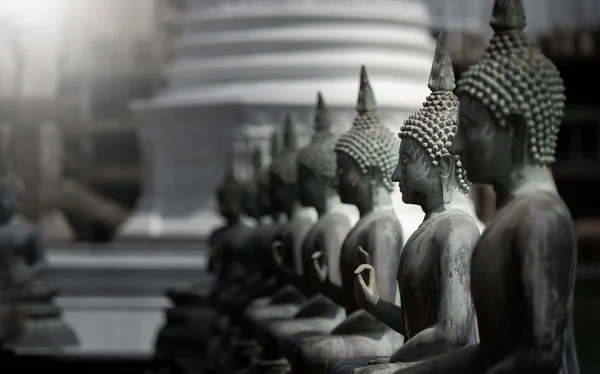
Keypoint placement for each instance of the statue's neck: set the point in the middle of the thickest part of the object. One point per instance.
(459, 200)
(233, 220)
(381, 200)
(265, 220)
(523, 180)
(295, 209)
(332, 201)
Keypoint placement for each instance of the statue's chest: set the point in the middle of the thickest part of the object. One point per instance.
(418, 261)
(493, 272)
(11, 238)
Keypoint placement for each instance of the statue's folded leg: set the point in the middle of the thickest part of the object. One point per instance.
(347, 366)
(321, 354)
(388, 368)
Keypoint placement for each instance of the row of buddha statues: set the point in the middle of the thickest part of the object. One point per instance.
(336, 295)
(29, 316)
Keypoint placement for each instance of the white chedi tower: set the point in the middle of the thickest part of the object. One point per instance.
(240, 66)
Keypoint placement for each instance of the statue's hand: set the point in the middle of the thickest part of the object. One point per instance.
(369, 292)
(275, 247)
(320, 268)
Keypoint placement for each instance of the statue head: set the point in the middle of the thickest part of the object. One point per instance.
(250, 190)
(427, 171)
(317, 162)
(11, 194)
(366, 155)
(229, 196)
(511, 102)
(283, 172)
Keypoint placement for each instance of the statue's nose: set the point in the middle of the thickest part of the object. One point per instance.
(397, 174)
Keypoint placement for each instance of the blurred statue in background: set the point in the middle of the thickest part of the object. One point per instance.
(366, 157)
(21, 242)
(316, 171)
(287, 247)
(523, 267)
(437, 313)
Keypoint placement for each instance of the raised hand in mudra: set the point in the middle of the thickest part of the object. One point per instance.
(320, 265)
(369, 292)
(275, 249)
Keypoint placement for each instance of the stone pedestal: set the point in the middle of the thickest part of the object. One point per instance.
(240, 66)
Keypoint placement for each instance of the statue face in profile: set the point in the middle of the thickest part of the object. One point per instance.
(230, 206)
(416, 175)
(282, 196)
(310, 190)
(250, 201)
(486, 149)
(352, 184)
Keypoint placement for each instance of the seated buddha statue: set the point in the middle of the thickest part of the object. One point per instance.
(286, 293)
(365, 156)
(511, 104)
(231, 301)
(239, 295)
(437, 313)
(316, 170)
(43, 322)
(188, 324)
(283, 194)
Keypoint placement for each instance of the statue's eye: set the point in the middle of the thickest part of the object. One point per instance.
(404, 161)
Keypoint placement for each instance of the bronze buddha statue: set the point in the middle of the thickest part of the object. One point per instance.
(43, 322)
(523, 266)
(437, 313)
(365, 156)
(283, 193)
(316, 171)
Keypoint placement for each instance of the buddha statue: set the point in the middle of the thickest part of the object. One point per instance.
(11, 318)
(283, 193)
(366, 156)
(183, 339)
(275, 297)
(523, 267)
(21, 241)
(316, 171)
(228, 338)
(437, 313)
(238, 296)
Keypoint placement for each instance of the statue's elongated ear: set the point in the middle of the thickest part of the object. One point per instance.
(518, 137)
(447, 164)
(374, 174)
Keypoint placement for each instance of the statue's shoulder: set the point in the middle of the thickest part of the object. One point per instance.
(456, 226)
(540, 205)
(386, 220)
(22, 226)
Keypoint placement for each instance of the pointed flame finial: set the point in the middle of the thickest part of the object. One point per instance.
(366, 97)
(442, 74)
(508, 15)
(290, 141)
(322, 118)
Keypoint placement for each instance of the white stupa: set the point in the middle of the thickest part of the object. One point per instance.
(240, 65)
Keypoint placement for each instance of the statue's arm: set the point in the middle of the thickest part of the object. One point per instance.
(387, 239)
(545, 256)
(390, 314)
(34, 250)
(333, 292)
(333, 242)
